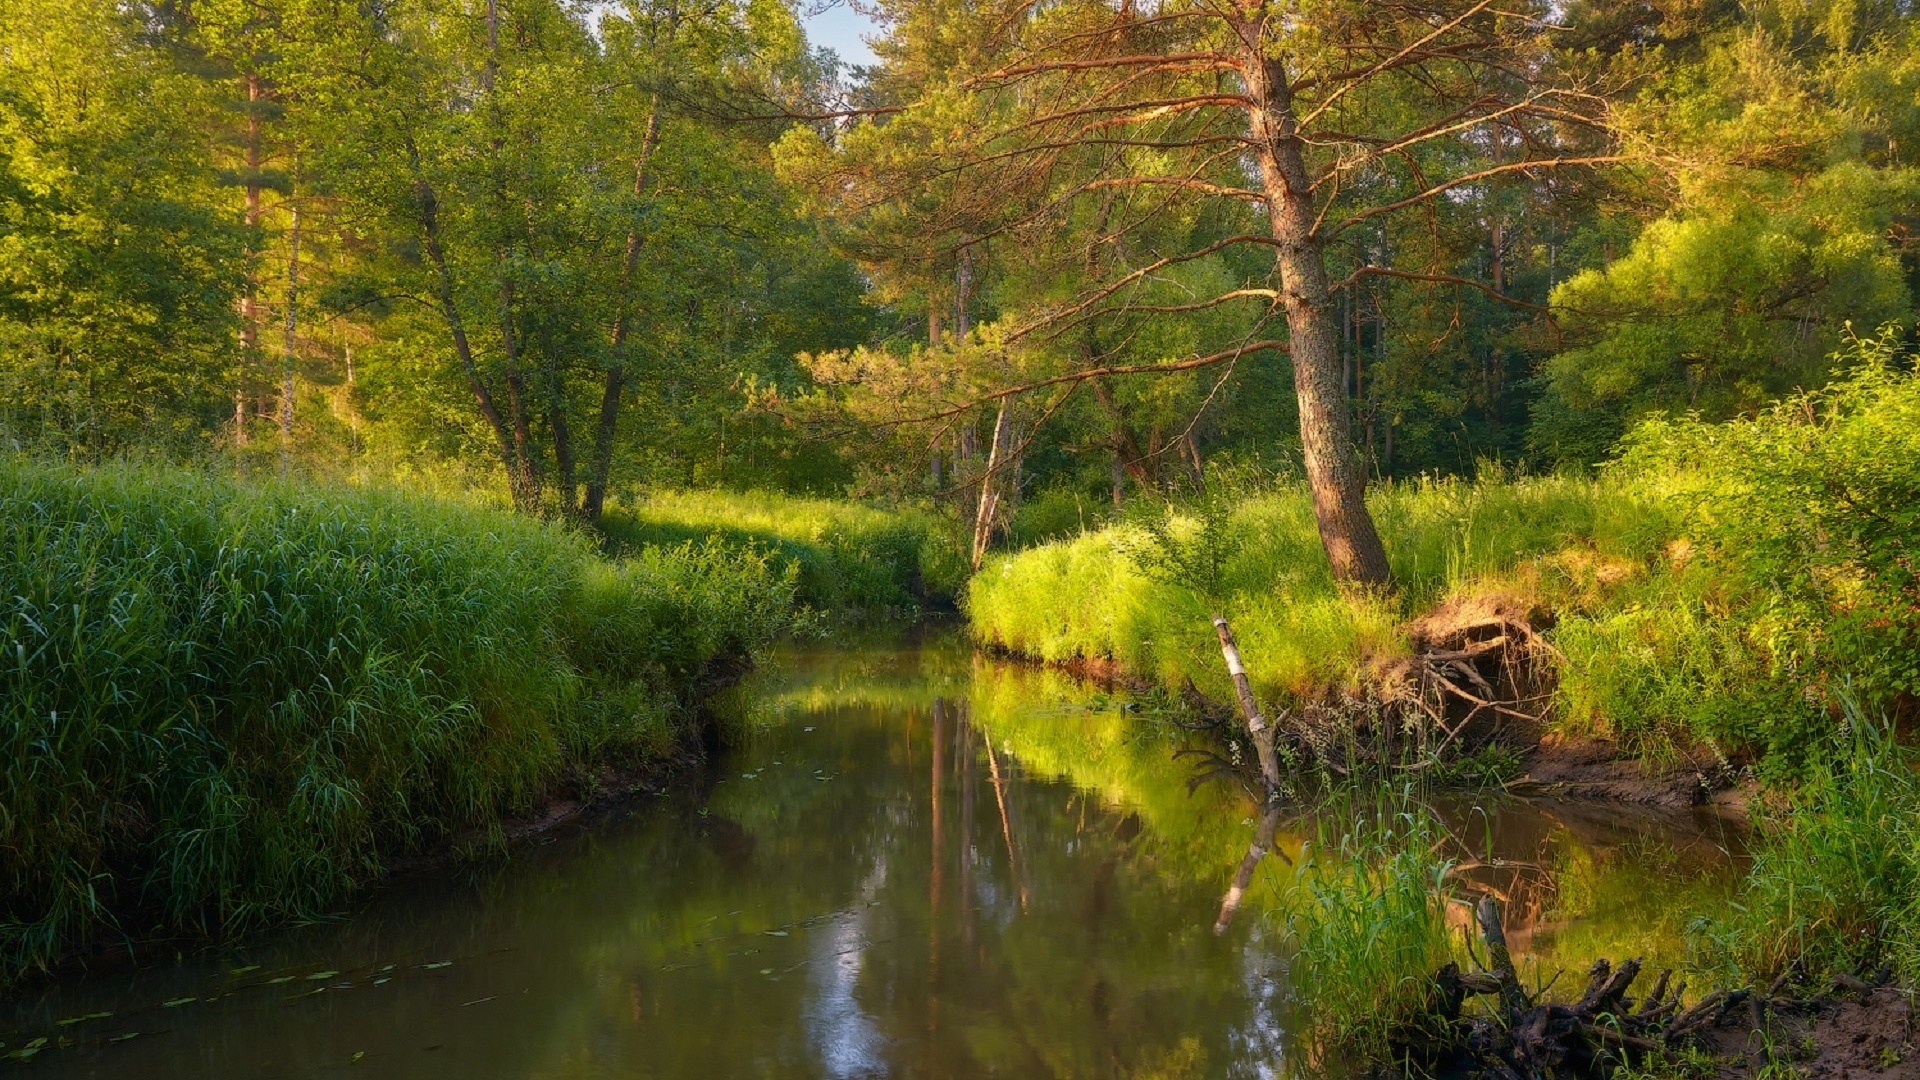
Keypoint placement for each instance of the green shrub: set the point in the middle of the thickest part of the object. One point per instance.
(225, 705)
(1795, 570)
(847, 554)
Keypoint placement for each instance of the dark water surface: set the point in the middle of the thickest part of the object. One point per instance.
(919, 863)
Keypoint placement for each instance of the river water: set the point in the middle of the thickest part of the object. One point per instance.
(917, 862)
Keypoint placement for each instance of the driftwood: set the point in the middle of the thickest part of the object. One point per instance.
(1519, 1038)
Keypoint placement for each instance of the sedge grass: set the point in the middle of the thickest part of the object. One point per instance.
(224, 706)
(847, 555)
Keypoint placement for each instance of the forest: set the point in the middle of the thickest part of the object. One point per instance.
(1324, 440)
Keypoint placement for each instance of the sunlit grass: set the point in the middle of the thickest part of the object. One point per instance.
(1302, 637)
(848, 554)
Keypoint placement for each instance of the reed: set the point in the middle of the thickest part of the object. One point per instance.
(226, 706)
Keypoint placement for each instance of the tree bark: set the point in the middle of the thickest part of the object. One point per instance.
(1339, 489)
(250, 297)
(287, 338)
(456, 326)
(601, 467)
(987, 511)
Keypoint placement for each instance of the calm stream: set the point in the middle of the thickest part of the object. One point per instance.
(917, 863)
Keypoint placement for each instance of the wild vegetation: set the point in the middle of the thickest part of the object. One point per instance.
(225, 706)
(1385, 345)
(847, 555)
(1725, 584)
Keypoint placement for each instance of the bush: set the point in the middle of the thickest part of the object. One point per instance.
(1795, 570)
(225, 706)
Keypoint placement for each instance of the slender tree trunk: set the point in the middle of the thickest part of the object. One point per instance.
(250, 297)
(962, 287)
(456, 326)
(1126, 446)
(287, 339)
(600, 468)
(987, 510)
(1339, 489)
(1257, 728)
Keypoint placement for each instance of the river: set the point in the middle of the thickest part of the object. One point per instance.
(915, 862)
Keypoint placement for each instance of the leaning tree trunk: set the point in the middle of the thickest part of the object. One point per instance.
(987, 510)
(1339, 490)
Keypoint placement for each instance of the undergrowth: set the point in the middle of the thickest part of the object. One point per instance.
(224, 706)
(847, 555)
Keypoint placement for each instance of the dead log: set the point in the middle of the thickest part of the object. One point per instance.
(1257, 727)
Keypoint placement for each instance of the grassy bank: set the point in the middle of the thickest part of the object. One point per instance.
(1752, 587)
(846, 555)
(1719, 583)
(225, 706)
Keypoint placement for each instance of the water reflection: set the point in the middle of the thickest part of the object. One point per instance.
(919, 864)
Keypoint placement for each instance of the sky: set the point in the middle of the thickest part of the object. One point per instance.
(839, 28)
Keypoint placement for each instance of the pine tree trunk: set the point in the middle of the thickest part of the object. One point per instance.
(1333, 475)
(287, 342)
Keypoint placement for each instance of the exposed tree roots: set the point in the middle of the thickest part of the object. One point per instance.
(1518, 1037)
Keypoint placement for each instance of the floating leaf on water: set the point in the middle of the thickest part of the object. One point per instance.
(244, 970)
(766, 971)
(383, 969)
(437, 965)
(124, 1036)
(71, 1020)
(279, 980)
(176, 1002)
(806, 729)
(382, 981)
(357, 1055)
(774, 933)
(318, 975)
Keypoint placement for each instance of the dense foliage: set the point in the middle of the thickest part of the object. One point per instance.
(579, 256)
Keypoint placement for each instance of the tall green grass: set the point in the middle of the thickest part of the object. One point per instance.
(1835, 882)
(1363, 914)
(847, 554)
(1794, 572)
(222, 706)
